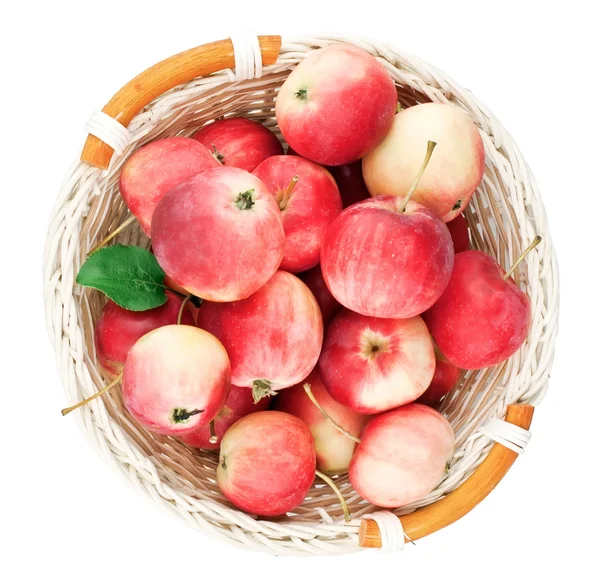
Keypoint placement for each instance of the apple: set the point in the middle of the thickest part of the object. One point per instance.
(334, 449)
(483, 317)
(273, 337)
(219, 234)
(239, 142)
(336, 105)
(314, 280)
(444, 379)
(456, 167)
(402, 456)
(156, 168)
(459, 230)
(118, 329)
(176, 378)
(309, 200)
(267, 463)
(239, 404)
(371, 364)
(350, 182)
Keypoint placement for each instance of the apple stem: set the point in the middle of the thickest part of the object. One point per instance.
(527, 250)
(112, 235)
(335, 489)
(182, 307)
(213, 435)
(114, 382)
(401, 207)
(261, 388)
(285, 198)
(339, 428)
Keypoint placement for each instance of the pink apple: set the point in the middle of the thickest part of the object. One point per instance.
(239, 404)
(239, 142)
(118, 329)
(350, 182)
(336, 105)
(444, 379)
(459, 230)
(314, 280)
(481, 319)
(381, 261)
(334, 449)
(176, 378)
(267, 463)
(307, 205)
(156, 168)
(372, 365)
(273, 337)
(402, 456)
(219, 235)
(456, 166)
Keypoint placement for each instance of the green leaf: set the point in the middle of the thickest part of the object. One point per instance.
(128, 275)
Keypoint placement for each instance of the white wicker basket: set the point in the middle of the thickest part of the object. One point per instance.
(175, 98)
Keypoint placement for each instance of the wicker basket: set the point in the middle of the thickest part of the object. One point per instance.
(490, 410)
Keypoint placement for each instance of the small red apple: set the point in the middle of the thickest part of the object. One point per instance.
(239, 142)
(314, 280)
(444, 379)
(459, 230)
(350, 182)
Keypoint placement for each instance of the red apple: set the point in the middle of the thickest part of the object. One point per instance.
(336, 105)
(402, 456)
(314, 280)
(334, 449)
(176, 378)
(239, 142)
(456, 167)
(309, 200)
(156, 168)
(380, 260)
(459, 230)
(444, 379)
(350, 182)
(239, 404)
(118, 329)
(481, 319)
(273, 337)
(219, 235)
(372, 365)
(267, 463)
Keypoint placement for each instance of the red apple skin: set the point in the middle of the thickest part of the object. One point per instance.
(239, 142)
(156, 168)
(239, 404)
(402, 456)
(336, 105)
(313, 204)
(372, 365)
(480, 320)
(350, 182)
(444, 379)
(314, 280)
(212, 247)
(334, 449)
(380, 262)
(459, 230)
(267, 463)
(275, 335)
(174, 368)
(118, 329)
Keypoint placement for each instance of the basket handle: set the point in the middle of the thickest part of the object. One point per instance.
(153, 82)
(467, 496)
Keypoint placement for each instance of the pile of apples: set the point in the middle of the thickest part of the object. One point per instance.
(326, 274)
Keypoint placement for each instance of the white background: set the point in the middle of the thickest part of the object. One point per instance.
(64, 513)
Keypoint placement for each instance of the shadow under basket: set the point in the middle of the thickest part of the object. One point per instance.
(490, 409)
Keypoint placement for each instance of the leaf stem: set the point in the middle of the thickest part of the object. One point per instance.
(527, 250)
(401, 207)
(335, 489)
(114, 382)
(182, 307)
(112, 234)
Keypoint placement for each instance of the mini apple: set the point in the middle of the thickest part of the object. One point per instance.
(402, 456)
(336, 105)
(273, 337)
(371, 364)
(444, 379)
(309, 201)
(176, 378)
(456, 168)
(314, 280)
(267, 463)
(239, 142)
(156, 168)
(350, 182)
(459, 230)
(219, 235)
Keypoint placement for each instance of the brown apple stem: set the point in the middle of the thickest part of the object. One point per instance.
(288, 192)
(114, 382)
(335, 489)
(527, 250)
(339, 428)
(182, 307)
(112, 234)
(401, 207)
(213, 435)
